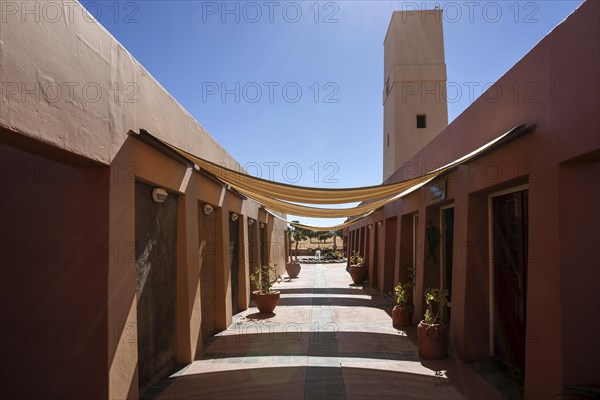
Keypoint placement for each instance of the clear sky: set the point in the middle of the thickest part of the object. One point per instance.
(293, 90)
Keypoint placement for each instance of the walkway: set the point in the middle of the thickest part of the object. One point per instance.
(328, 340)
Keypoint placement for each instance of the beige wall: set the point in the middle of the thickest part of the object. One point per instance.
(414, 83)
(69, 83)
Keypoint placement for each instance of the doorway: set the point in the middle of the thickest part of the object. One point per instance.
(234, 261)
(264, 245)
(377, 254)
(155, 268)
(446, 253)
(207, 253)
(509, 225)
(389, 261)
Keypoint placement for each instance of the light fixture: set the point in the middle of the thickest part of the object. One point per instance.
(208, 209)
(159, 195)
(250, 221)
(370, 226)
(234, 217)
(262, 225)
(379, 224)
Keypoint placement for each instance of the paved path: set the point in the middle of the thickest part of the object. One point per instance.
(328, 340)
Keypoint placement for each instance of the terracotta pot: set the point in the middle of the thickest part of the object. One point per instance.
(358, 273)
(293, 269)
(402, 315)
(432, 341)
(266, 303)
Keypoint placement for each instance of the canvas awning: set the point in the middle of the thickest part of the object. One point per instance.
(278, 196)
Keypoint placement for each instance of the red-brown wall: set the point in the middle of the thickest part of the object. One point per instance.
(53, 277)
(558, 85)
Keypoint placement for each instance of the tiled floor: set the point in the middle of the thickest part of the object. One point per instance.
(328, 339)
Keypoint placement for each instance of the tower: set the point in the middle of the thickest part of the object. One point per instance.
(414, 102)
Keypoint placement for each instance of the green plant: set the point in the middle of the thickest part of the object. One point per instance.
(402, 295)
(297, 235)
(264, 277)
(356, 258)
(334, 255)
(439, 296)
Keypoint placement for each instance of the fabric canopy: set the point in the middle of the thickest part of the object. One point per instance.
(320, 228)
(302, 194)
(278, 196)
(305, 211)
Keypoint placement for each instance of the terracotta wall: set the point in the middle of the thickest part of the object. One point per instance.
(195, 190)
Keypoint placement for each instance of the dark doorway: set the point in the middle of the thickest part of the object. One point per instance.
(207, 252)
(234, 261)
(253, 250)
(389, 264)
(156, 267)
(264, 245)
(510, 227)
(377, 247)
(361, 248)
(447, 254)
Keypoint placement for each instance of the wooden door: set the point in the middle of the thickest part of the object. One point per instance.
(510, 227)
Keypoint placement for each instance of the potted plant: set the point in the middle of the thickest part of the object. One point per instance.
(402, 311)
(358, 271)
(263, 278)
(432, 332)
(297, 234)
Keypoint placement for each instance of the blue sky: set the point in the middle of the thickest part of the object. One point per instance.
(293, 90)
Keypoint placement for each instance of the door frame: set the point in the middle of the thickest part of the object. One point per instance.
(415, 255)
(491, 196)
(443, 243)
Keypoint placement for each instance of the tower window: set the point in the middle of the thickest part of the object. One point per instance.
(387, 86)
(388, 140)
(421, 121)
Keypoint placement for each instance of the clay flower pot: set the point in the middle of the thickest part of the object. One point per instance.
(432, 340)
(358, 273)
(266, 303)
(293, 269)
(402, 316)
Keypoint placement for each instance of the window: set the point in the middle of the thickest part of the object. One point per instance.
(387, 86)
(421, 121)
(388, 140)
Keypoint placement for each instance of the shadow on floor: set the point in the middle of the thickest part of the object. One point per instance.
(502, 376)
(333, 301)
(255, 340)
(356, 291)
(307, 382)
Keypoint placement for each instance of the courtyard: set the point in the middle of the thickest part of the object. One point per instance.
(328, 338)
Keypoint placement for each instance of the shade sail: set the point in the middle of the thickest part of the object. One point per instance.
(302, 194)
(320, 228)
(306, 211)
(354, 220)
(277, 196)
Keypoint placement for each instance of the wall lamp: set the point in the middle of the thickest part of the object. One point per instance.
(250, 221)
(159, 195)
(379, 224)
(234, 217)
(208, 209)
(262, 225)
(370, 226)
